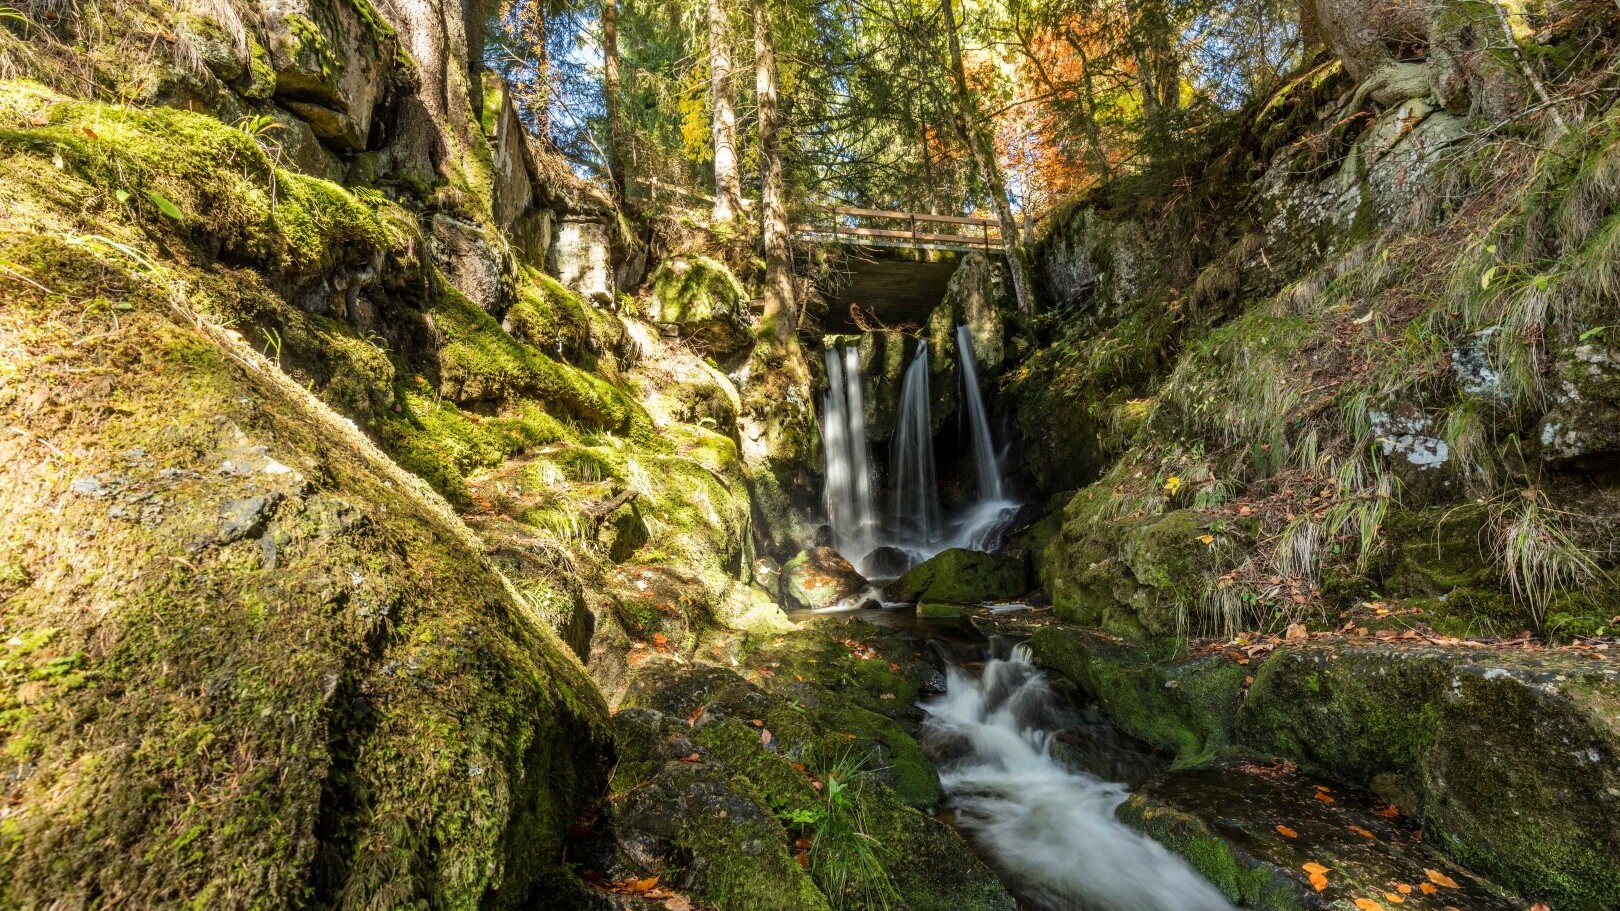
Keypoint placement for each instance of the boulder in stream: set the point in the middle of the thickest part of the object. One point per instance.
(961, 576)
(820, 578)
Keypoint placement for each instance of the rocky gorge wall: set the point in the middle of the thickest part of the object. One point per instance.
(338, 454)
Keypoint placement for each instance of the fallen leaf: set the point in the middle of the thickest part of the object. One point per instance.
(1390, 812)
(1290, 833)
(695, 757)
(1206, 539)
(1367, 904)
(1296, 632)
(1441, 879)
(1394, 899)
(678, 903)
(1404, 889)
(1428, 888)
(1324, 789)
(641, 885)
(1313, 867)
(765, 736)
(1362, 832)
(1319, 881)
(1323, 797)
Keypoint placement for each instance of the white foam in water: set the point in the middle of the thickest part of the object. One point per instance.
(1050, 831)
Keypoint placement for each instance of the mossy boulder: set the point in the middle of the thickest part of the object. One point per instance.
(1227, 821)
(1184, 706)
(962, 576)
(1510, 759)
(702, 301)
(820, 578)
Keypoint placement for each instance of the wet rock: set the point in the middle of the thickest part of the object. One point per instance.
(961, 576)
(1186, 707)
(702, 302)
(1254, 830)
(886, 562)
(820, 578)
(1510, 759)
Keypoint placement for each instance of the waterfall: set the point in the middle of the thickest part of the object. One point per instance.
(1050, 831)
(916, 493)
(984, 453)
(849, 478)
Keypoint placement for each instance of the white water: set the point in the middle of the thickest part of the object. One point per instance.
(1050, 831)
(850, 511)
(916, 490)
(984, 453)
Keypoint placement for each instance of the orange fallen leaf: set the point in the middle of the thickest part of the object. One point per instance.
(1323, 797)
(1404, 889)
(1393, 899)
(1389, 812)
(1313, 867)
(1441, 879)
(1287, 831)
(1324, 789)
(1319, 881)
(1367, 904)
(765, 737)
(695, 757)
(1360, 831)
(641, 885)
(1428, 888)
(677, 903)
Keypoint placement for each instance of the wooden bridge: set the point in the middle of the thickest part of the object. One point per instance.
(874, 227)
(919, 230)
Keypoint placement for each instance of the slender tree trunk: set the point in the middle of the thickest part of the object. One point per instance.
(984, 157)
(780, 314)
(727, 182)
(616, 136)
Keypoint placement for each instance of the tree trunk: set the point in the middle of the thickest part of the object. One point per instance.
(727, 182)
(616, 136)
(984, 158)
(780, 314)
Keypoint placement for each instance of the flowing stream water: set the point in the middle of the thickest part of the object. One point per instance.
(850, 509)
(1048, 829)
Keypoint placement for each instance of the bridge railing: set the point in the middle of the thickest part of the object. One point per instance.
(872, 227)
(882, 227)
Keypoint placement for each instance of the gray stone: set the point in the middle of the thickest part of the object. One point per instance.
(581, 257)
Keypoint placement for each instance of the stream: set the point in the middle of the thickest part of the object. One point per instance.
(999, 735)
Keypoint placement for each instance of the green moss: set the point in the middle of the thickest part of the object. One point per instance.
(962, 576)
(1249, 884)
(1186, 707)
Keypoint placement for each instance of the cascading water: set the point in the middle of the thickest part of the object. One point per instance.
(916, 492)
(850, 510)
(1051, 831)
(984, 453)
(981, 526)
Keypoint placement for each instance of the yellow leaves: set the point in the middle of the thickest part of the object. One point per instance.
(1313, 867)
(1172, 485)
(1206, 539)
(1319, 881)
(1287, 832)
(1393, 898)
(1428, 888)
(1441, 879)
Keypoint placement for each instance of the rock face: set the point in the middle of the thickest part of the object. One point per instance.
(715, 791)
(1583, 426)
(1509, 759)
(703, 302)
(819, 578)
(961, 576)
(581, 257)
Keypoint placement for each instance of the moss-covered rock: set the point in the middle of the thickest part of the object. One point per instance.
(1229, 820)
(1183, 706)
(1510, 759)
(962, 576)
(702, 301)
(820, 578)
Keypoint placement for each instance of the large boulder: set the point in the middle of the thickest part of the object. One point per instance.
(820, 578)
(1510, 759)
(1583, 426)
(331, 62)
(703, 302)
(962, 576)
(581, 257)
